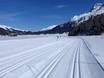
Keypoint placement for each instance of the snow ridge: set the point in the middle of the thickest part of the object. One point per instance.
(5, 27)
(10, 28)
(49, 27)
(97, 10)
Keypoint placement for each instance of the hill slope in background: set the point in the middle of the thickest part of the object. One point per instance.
(93, 26)
(62, 28)
(48, 28)
(90, 23)
(7, 30)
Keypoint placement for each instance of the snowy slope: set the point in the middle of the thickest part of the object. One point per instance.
(97, 10)
(84, 22)
(10, 28)
(52, 57)
(5, 27)
(49, 28)
(11, 31)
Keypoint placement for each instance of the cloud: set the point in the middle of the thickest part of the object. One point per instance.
(9, 16)
(52, 17)
(61, 6)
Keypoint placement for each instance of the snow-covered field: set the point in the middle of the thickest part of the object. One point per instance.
(52, 57)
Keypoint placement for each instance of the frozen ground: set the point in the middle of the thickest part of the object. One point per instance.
(52, 57)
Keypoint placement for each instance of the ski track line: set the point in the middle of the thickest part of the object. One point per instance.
(72, 60)
(46, 72)
(6, 59)
(73, 64)
(45, 75)
(52, 60)
(23, 58)
(78, 72)
(15, 66)
(85, 42)
(50, 67)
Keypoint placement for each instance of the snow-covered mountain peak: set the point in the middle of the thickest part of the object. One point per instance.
(97, 9)
(10, 28)
(5, 27)
(98, 5)
(49, 27)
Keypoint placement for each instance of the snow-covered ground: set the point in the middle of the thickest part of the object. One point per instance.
(52, 57)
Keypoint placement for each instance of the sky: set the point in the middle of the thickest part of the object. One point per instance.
(37, 14)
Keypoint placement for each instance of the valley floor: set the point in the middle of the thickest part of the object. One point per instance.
(52, 57)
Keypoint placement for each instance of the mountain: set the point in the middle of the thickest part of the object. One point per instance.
(97, 9)
(90, 23)
(62, 28)
(48, 28)
(7, 30)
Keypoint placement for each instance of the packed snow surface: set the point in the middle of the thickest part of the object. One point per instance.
(52, 57)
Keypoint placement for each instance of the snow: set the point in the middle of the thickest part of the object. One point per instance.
(97, 6)
(10, 28)
(47, 56)
(5, 27)
(49, 28)
(97, 10)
